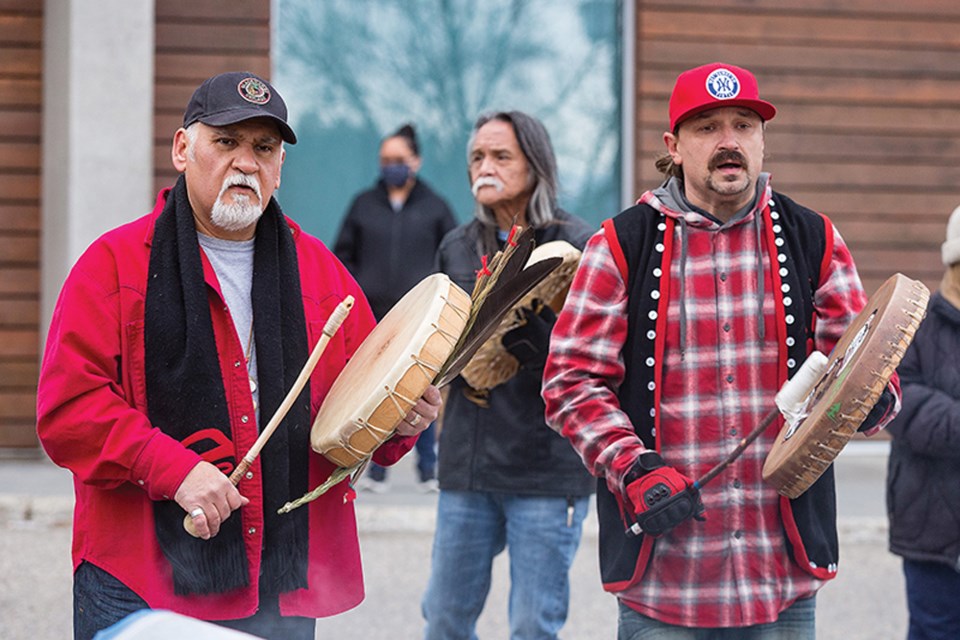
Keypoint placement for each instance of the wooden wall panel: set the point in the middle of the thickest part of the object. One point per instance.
(196, 39)
(867, 94)
(21, 62)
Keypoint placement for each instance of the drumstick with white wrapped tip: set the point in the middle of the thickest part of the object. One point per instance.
(789, 400)
(330, 328)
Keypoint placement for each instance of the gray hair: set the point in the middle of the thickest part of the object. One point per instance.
(190, 132)
(535, 144)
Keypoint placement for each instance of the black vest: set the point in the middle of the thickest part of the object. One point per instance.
(641, 240)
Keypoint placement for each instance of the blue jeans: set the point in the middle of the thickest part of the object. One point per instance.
(796, 622)
(426, 457)
(100, 601)
(472, 528)
(932, 590)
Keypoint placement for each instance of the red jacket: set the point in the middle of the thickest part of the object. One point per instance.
(92, 419)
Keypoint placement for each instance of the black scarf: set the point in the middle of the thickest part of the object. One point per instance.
(185, 394)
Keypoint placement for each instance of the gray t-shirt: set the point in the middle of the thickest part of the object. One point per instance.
(232, 261)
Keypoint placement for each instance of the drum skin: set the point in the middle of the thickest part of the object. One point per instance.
(858, 370)
(390, 371)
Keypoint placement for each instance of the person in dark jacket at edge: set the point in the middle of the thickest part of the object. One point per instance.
(387, 241)
(923, 478)
(506, 480)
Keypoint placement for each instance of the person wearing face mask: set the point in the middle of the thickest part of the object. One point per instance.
(387, 240)
(175, 337)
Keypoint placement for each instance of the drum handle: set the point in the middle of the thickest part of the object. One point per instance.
(333, 324)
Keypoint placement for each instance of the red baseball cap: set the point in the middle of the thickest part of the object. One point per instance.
(712, 86)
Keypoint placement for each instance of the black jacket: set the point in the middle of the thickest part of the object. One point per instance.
(923, 476)
(390, 252)
(506, 447)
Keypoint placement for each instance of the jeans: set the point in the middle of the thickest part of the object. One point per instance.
(796, 622)
(426, 457)
(932, 590)
(472, 528)
(100, 600)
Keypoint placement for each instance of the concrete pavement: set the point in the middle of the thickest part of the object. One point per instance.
(866, 601)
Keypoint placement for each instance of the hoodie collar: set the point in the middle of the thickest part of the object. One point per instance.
(670, 200)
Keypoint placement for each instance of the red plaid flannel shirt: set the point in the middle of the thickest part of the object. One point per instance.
(734, 569)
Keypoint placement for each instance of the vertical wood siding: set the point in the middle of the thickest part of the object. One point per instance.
(21, 62)
(867, 93)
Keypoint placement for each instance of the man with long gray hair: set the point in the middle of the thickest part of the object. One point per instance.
(506, 479)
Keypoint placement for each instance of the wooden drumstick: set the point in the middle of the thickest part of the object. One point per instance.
(789, 400)
(333, 324)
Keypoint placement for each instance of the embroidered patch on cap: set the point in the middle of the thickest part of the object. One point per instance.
(722, 84)
(252, 90)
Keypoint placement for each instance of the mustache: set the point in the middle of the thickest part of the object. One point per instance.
(727, 155)
(243, 180)
(486, 181)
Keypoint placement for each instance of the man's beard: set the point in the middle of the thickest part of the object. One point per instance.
(243, 212)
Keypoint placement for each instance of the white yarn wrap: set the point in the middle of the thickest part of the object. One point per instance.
(793, 397)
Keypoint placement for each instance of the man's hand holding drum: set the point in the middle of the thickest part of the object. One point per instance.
(423, 413)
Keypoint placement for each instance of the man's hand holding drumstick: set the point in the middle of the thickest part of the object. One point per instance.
(209, 496)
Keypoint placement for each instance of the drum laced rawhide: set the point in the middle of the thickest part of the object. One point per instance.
(390, 371)
(428, 337)
(857, 371)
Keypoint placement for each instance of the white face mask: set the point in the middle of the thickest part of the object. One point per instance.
(243, 212)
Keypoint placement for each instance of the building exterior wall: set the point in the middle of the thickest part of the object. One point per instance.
(196, 39)
(21, 35)
(866, 131)
(866, 91)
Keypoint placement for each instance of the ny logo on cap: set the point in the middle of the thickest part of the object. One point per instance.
(722, 84)
(252, 90)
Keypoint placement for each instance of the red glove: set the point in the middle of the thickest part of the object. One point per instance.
(661, 497)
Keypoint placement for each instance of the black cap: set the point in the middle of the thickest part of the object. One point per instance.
(231, 97)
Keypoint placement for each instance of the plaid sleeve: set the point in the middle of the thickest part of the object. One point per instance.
(840, 296)
(585, 368)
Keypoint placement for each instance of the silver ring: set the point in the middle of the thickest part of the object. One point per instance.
(196, 512)
(416, 420)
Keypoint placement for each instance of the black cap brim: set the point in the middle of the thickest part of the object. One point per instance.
(234, 116)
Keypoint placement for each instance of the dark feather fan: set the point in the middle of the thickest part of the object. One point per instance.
(500, 286)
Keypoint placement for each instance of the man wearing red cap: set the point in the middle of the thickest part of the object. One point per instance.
(175, 336)
(700, 302)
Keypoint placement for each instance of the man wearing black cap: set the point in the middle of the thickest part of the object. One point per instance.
(174, 337)
(702, 300)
